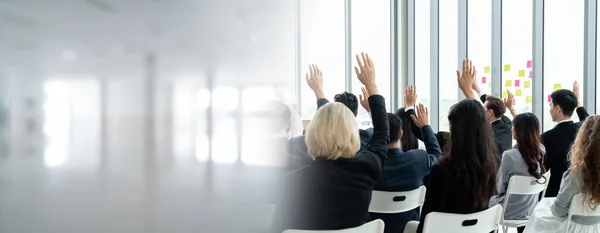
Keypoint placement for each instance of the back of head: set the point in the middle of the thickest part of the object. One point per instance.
(472, 151)
(496, 105)
(526, 130)
(409, 141)
(395, 127)
(585, 160)
(349, 100)
(279, 114)
(333, 133)
(566, 99)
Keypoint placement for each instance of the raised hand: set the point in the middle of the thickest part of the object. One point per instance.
(475, 84)
(467, 77)
(577, 92)
(366, 73)
(364, 99)
(410, 97)
(314, 79)
(423, 116)
(508, 102)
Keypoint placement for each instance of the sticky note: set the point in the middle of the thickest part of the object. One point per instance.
(518, 92)
(528, 100)
(530, 74)
(521, 73)
(508, 83)
(504, 94)
(529, 64)
(557, 86)
(549, 98)
(487, 69)
(506, 67)
(489, 84)
(527, 84)
(483, 80)
(517, 83)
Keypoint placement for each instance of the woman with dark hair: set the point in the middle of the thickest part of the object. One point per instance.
(408, 140)
(464, 179)
(412, 132)
(525, 159)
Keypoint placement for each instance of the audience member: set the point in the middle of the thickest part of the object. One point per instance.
(583, 176)
(559, 139)
(525, 159)
(410, 99)
(405, 170)
(334, 191)
(296, 121)
(464, 180)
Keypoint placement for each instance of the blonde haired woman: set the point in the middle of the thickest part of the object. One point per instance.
(334, 191)
(583, 176)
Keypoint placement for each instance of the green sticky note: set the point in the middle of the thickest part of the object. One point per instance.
(487, 69)
(518, 92)
(521, 73)
(504, 94)
(489, 84)
(527, 84)
(528, 100)
(508, 83)
(506, 67)
(557, 86)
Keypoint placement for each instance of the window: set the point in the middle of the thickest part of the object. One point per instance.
(517, 28)
(422, 50)
(563, 49)
(56, 123)
(480, 41)
(225, 130)
(374, 40)
(202, 101)
(323, 36)
(448, 34)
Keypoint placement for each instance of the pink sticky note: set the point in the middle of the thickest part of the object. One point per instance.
(514, 101)
(549, 98)
(530, 74)
(528, 64)
(483, 80)
(517, 83)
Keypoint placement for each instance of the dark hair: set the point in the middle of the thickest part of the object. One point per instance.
(278, 113)
(566, 99)
(409, 140)
(395, 127)
(495, 104)
(527, 133)
(443, 138)
(349, 100)
(472, 152)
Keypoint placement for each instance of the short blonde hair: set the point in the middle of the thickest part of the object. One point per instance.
(333, 133)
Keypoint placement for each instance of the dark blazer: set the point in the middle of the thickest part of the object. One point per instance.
(502, 129)
(558, 144)
(335, 194)
(404, 171)
(417, 132)
(446, 193)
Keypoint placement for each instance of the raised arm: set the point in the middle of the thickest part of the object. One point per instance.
(381, 129)
(314, 79)
(581, 112)
(568, 188)
(508, 102)
(466, 79)
(434, 152)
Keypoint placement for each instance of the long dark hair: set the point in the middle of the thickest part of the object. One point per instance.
(472, 152)
(408, 140)
(527, 133)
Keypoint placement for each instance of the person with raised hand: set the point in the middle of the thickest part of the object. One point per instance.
(405, 169)
(334, 191)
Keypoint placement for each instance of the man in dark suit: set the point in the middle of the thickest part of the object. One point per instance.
(559, 139)
(298, 144)
(405, 170)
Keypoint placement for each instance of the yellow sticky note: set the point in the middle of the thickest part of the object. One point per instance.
(506, 67)
(487, 69)
(504, 94)
(521, 73)
(508, 83)
(489, 84)
(528, 100)
(527, 84)
(518, 92)
(557, 86)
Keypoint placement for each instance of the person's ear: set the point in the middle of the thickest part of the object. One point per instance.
(401, 134)
(490, 112)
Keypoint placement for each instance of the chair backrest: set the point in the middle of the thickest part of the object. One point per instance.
(578, 207)
(396, 202)
(525, 185)
(375, 226)
(484, 221)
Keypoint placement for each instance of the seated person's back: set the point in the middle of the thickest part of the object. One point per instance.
(404, 171)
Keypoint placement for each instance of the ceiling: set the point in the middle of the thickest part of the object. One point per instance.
(237, 38)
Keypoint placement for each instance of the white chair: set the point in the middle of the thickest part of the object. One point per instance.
(375, 226)
(522, 185)
(484, 221)
(397, 202)
(577, 208)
